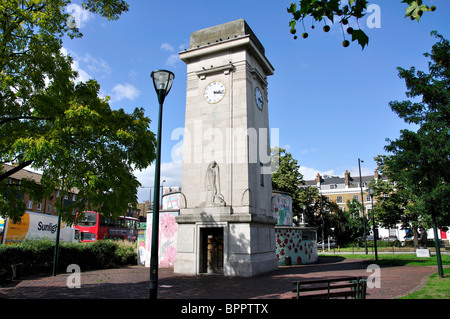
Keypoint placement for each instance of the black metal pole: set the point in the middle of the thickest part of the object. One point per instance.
(155, 223)
(362, 203)
(58, 232)
(374, 234)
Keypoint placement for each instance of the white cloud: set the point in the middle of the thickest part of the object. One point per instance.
(96, 66)
(167, 47)
(87, 66)
(170, 172)
(306, 151)
(83, 76)
(172, 60)
(133, 74)
(79, 17)
(354, 171)
(311, 173)
(125, 91)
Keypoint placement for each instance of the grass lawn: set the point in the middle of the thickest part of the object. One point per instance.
(436, 288)
(395, 259)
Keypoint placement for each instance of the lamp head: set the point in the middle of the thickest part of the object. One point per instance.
(162, 81)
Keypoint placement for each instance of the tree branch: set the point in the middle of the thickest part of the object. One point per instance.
(15, 170)
(17, 118)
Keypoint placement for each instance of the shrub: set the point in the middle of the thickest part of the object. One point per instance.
(126, 253)
(104, 253)
(33, 254)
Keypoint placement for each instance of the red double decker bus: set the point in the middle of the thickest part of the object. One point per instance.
(93, 226)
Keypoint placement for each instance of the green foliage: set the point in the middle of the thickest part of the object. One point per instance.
(345, 13)
(435, 288)
(62, 128)
(348, 225)
(419, 159)
(287, 177)
(35, 254)
(126, 253)
(317, 210)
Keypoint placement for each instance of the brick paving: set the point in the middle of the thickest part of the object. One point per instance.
(133, 283)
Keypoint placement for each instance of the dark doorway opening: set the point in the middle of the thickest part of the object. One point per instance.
(211, 250)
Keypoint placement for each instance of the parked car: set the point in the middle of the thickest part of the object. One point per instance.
(332, 244)
(392, 238)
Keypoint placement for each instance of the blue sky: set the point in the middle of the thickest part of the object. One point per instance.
(330, 104)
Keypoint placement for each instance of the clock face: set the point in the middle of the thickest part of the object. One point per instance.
(214, 92)
(259, 98)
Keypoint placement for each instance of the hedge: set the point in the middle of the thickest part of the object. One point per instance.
(37, 254)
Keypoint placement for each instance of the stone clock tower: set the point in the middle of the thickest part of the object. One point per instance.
(226, 223)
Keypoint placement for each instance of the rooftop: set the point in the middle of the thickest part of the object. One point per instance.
(337, 180)
(223, 32)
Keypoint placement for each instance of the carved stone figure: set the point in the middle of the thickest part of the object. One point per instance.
(213, 195)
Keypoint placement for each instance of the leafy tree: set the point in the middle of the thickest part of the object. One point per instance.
(344, 13)
(58, 126)
(331, 221)
(287, 178)
(307, 197)
(355, 221)
(420, 159)
(347, 229)
(396, 204)
(324, 218)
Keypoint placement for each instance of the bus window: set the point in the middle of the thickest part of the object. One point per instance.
(103, 221)
(130, 223)
(87, 236)
(89, 219)
(111, 222)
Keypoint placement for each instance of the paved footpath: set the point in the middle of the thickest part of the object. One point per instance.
(133, 283)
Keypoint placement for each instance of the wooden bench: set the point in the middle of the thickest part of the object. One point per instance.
(343, 287)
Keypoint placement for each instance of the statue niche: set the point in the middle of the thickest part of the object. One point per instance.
(212, 183)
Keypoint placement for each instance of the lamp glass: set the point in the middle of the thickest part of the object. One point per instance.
(162, 80)
(371, 191)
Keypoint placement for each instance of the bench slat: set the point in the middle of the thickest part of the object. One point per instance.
(355, 287)
(330, 295)
(321, 281)
(305, 289)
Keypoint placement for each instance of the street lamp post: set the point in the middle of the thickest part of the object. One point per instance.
(362, 203)
(162, 193)
(371, 193)
(162, 81)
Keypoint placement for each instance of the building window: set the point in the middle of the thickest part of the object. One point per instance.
(30, 204)
(339, 199)
(38, 207)
(49, 208)
(356, 197)
(368, 198)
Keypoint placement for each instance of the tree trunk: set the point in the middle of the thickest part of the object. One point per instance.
(415, 237)
(437, 246)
